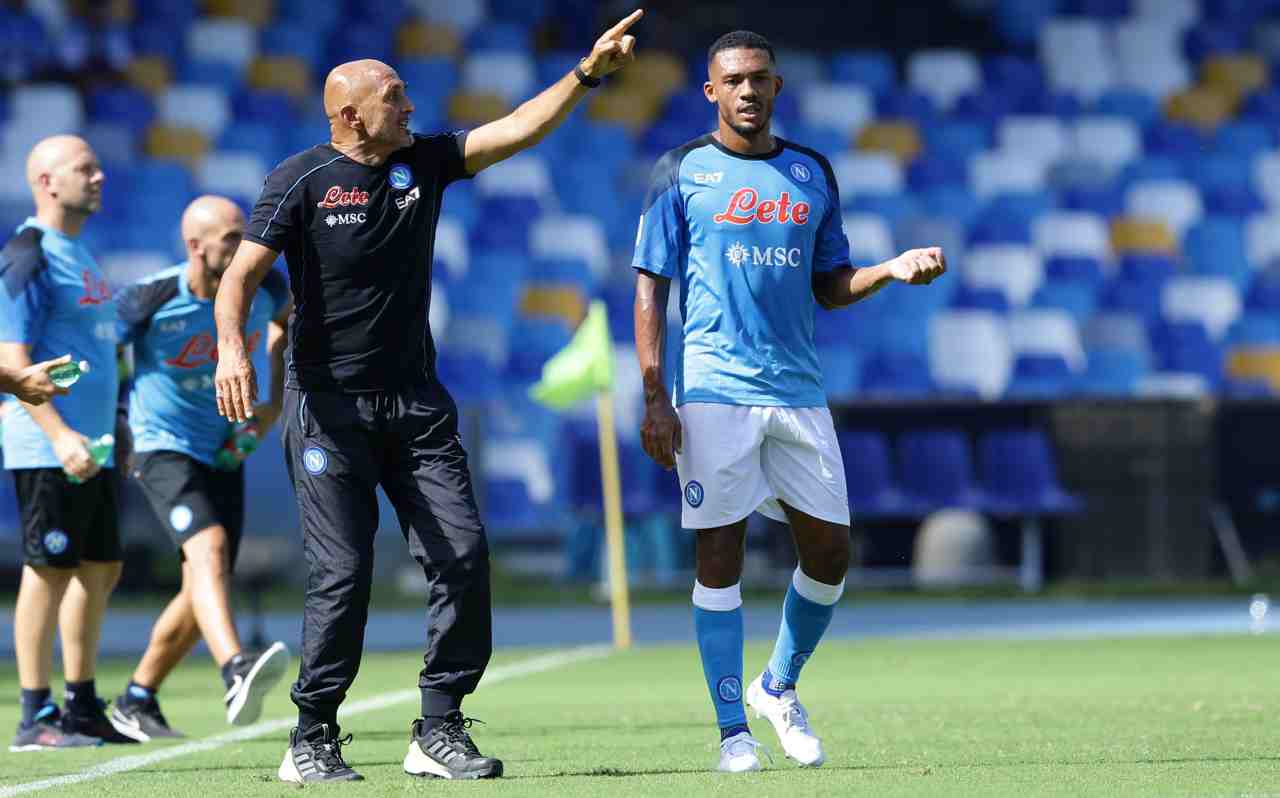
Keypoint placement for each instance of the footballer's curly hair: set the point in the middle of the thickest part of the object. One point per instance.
(741, 40)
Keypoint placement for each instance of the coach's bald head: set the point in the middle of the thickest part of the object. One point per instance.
(367, 108)
(64, 175)
(211, 230)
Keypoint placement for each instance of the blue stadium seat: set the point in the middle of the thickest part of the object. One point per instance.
(1019, 474)
(985, 108)
(1153, 167)
(1255, 329)
(937, 170)
(1013, 75)
(221, 74)
(841, 371)
(1104, 200)
(907, 104)
(470, 378)
(1186, 347)
(436, 78)
(1262, 107)
(873, 489)
(1247, 388)
(894, 207)
(1077, 297)
(526, 12)
(1218, 169)
(516, 213)
(1058, 103)
(313, 130)
(1151, 269)
(501, 36)
(1130, 103)
(1203, 40)
(571, 271)
(1020, 21)
(535, 340)
(936, 469)
(1111, 372)
(269, 107)
(1243, 138)
(1174, 138)
(556, 64)
(896, 374)
(1233, 200)
(873, 69)
(643, 481)
(1216, 246)
(121, 105)
(316, 19)
(508, 508)
(996, 227)
(952, 202)
(1098, 9)
(356, 41)
(1039, 376)
(1074, 268)
(957, 139)
(263, 138)
(1264, 293)
(1139, 297)
(296, 40)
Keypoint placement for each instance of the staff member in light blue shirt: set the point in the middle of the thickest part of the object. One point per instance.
(54, 300)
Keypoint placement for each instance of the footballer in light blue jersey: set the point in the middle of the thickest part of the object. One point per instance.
(750, 226)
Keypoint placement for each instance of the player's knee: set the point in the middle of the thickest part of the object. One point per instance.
(827, 561)
(208, 550)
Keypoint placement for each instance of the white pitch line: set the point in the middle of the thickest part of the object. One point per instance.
(501, 673)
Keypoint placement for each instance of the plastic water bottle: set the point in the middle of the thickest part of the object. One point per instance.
(67, 374)
(1259, 606)
(99, 449)
(241, 443)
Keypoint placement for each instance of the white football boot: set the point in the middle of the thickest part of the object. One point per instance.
(790, 721)
(739, 754)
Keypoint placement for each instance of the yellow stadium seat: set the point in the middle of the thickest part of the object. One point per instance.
(476, 108)
(898, 138)
(288, 74)
(417, 39)
(1206, 107)
(176, 144)
(1236, 76)
(636, 112)
(1132, 234)
(149, 73)
(550, 300)
(655, 73)
(258, 13)
(1257, 363)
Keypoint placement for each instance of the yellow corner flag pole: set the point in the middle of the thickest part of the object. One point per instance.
(582, 369)
(615, 545)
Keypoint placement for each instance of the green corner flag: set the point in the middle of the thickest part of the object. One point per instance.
(583, 368)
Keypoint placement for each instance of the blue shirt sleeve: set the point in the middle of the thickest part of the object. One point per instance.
(24, 294)
(831, 249)
(661, 236)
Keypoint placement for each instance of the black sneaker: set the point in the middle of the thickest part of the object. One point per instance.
(91, 721)
(251, 682)
(46, 734)
(316, 756)
(446, 751)
(141, 720)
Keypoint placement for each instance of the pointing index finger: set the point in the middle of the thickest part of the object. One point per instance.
(621, 27)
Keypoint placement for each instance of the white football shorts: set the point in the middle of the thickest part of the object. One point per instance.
(736, 460)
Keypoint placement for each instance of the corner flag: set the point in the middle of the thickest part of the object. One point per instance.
(581, 369)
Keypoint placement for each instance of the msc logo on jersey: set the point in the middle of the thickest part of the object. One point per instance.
(729, 689)
(55, 541)
(345, 218)
(400, 176)
(740, 255)
(693, 493)
(335, 197)
(745, 207)
(315, 461)
(801, 173)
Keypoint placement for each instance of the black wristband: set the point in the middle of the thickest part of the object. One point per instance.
(584, 78)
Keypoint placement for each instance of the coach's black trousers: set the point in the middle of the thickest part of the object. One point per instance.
(339, 448)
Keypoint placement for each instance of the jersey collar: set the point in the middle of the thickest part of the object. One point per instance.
(764, 156)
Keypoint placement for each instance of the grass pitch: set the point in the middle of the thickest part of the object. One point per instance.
(1167, 717)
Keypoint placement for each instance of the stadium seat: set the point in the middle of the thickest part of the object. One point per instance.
(262, 138)
(1039, 377)
(114, 144)
(969, 351)
(872, 69)
(1068, 233)
(845, 108)
(238, 175)
(1015, 270)
(1112, 142)
(907, 105)
(1138, 107)
(288, 74)
(1138, 235)
(958, 140)
(1186, 347)
(1244, 139)
(1262, 107)
(1149, 60)
(1236, 75)
(451, 249)
(1171, 385)
(992, 173)
(197, 107)
(944, 74)
(1020, 476)
(1077, 57)
(125, 267)
(580, 237)
(992, 300)
(1216, 247)
(184, 144)
(1137, 297)
(151, 74)
(1179, 13)
(1262, 240)
(1046, 332)
(564, 304)
(1116, 331)
(900, 139)
(52, 107)
(1077, 298)
(500, 35)
(229, 41)
(936, 469)
(1266, 178)
(1174, 202)
(1074, 268)
(1212, 302)
(1254, 329)
(841, 372)
(1152, 269)
(121, 105)
(1111, 372)
(1200, 106)
(1041, 138)
(510, 75)
(867, 173)
(874, 491)
(896, 374)
(526, 175)
(870, 238)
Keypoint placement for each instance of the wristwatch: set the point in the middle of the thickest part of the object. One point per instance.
(584, 78)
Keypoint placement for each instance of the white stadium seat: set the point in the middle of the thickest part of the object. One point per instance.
(510, 75)
(843, 107)
(1015, 270)
(867, 173)
(944, 75)
(228, 41)
(1071, 233)
(870, 238)
(1212, 301)
(969, 350)
(569, 236)
(452, 249)
(235, 174)
(204, 108)
(1175, 202)
(1046, 332)
(1042, 138)
(995, 172)
(1110, 141)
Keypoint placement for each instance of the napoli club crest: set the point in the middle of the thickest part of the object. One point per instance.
(315, 461)
(55, 541)
(401, 177)
(729, 689)
(693, 493)
(801, 172)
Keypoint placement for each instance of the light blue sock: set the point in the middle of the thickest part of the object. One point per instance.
(806, 613)
(717, 621)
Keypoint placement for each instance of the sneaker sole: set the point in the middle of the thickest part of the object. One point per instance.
(419, 764)
(123, 726)
(246, 707)
(752, 693)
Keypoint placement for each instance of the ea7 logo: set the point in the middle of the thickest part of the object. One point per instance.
(708, 178)
(408, 199)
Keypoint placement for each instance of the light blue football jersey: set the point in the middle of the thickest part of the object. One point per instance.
(744, 234)
(55, 298)
(175, 354)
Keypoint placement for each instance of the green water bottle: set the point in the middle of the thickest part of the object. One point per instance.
(241, 443)
(99, 450)
(67, 374)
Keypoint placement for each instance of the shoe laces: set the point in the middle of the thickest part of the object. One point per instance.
(737, 743)
(329, 752)
(793, 712)
(454, 728)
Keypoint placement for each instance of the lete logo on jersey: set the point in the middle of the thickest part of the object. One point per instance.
(745, 207)
(202, 350)
(335, 197)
